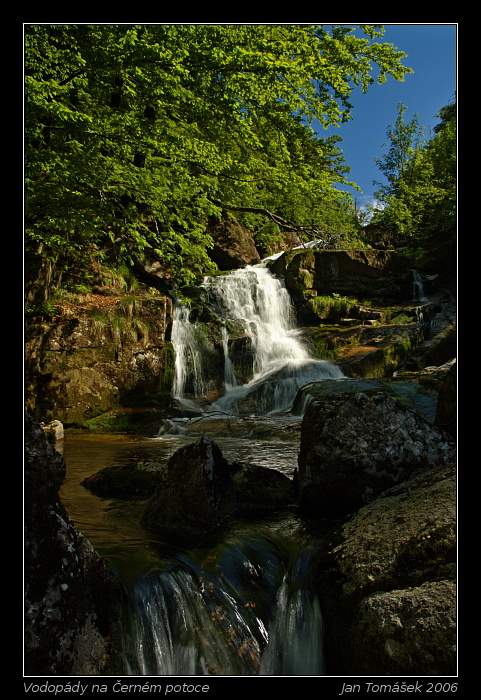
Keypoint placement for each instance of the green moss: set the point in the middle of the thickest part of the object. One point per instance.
(131, 421)
(333, 306)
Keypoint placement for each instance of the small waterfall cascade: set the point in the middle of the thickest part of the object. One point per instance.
(254, 613)
(256, 303)
(188, 363)
(418, 286)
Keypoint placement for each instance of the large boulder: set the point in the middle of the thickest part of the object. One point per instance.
(354, 447)
(69, 592)
(409, 393)
(198, 493)
(233, 247)
(387, 582)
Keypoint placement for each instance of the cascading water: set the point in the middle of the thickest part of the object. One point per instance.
(418, 286)
(252, 615)
(257, 302)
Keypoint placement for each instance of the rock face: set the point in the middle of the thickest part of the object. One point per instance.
(197, 495)
(95, 359)
(310, 273)
(388, 582)
(355, 447)
(68, 590)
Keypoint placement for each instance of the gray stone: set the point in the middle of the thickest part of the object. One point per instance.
(198, 493)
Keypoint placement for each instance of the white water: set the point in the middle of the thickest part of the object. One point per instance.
(257, 302)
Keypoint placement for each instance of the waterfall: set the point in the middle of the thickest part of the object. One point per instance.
(188, 357)
(253, 300)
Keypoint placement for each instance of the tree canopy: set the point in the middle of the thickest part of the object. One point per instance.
(136, 134)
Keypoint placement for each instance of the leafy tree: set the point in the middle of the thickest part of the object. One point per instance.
(405, 141)
(420, 207)
(136, 134)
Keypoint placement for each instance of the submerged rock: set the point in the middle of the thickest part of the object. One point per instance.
(134, 480)
(355, 447)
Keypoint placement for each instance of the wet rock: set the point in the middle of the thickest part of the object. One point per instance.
(134, 480)
(198, 493)
(69, 593)
(355, 447)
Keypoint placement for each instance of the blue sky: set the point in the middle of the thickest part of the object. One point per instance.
(432, 54)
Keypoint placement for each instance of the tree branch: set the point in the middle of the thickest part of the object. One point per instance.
(289, 225)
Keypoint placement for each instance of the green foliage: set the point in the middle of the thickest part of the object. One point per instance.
(421, 200)
(134, 133)
(406, 140)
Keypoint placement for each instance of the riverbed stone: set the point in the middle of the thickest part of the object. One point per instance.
(198, 494)
(133, 480)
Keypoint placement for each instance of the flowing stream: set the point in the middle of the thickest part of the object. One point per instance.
(241, 602)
